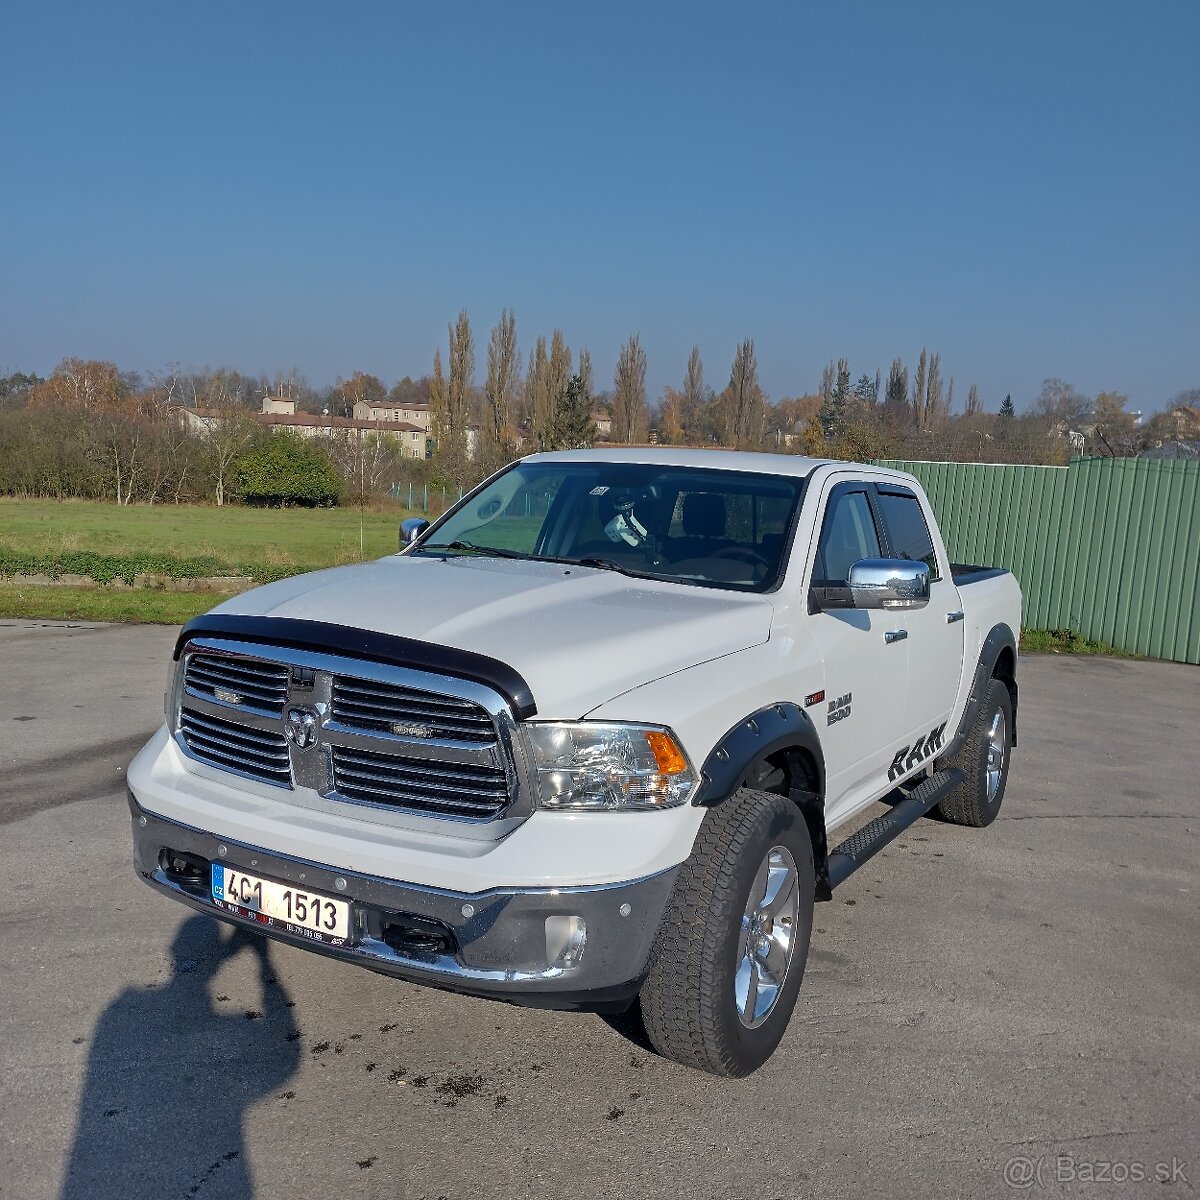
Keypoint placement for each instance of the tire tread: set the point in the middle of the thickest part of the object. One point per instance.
(686, 974)
(968, 804)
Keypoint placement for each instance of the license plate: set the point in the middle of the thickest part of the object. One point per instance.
(319, 918)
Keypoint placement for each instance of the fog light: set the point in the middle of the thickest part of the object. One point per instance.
(565, 938)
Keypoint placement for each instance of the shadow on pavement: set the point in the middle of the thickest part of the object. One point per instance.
(172, 1072)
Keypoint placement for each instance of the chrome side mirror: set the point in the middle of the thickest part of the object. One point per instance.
(411, 529)
(889, 583)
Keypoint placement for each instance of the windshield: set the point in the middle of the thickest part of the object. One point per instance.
(714, 528)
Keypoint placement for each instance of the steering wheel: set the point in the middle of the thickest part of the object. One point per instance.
(745, 554)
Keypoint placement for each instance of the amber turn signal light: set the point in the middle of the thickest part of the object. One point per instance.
(667, 754)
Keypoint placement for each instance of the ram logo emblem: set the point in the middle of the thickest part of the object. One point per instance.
(301, 727)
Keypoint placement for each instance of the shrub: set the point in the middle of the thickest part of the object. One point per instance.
(288, 469)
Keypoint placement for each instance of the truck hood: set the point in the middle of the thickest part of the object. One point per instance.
(579, 635)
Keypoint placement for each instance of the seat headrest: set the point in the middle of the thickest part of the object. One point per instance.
(704, 515)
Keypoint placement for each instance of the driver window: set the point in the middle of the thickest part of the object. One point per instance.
(847, 535)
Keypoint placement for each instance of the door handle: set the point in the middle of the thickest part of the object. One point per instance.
(954, 616)
(895, 635)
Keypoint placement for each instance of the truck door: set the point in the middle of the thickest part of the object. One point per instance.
(935, 632)
(866, 677)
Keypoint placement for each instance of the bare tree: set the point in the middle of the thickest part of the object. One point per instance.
(933, 390)
(629, 393)
(669, 421)
(585, 370)
(84, 384)
(828, 380)
(1059, 404)
(694, 400)
(359, 388)
(560, 364)
(439, 416)
(503, 366)
(919, 389)
(449, 409)
(232, 431)
(974, 404)
(744, 403)
(538, 402)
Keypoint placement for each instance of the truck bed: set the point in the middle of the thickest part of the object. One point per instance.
(964, 573)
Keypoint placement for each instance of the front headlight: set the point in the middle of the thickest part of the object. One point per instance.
(592, 765)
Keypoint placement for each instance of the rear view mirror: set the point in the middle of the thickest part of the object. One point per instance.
(411, 529)
(889, 583)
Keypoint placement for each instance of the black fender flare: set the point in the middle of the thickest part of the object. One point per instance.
(999, 639)
(774, 727)
(780, 727)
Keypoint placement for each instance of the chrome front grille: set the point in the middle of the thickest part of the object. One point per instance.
(238, 681)
(384, 740)
(235, 747)
(447, 789)
(388, 708)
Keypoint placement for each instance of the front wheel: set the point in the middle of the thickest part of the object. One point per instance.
(731, 950)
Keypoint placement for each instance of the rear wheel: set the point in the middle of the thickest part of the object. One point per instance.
(984, 762)
(731, 950)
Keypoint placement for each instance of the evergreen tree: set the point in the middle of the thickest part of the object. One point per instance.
(834, 409)
(1007, 409)
(866, 390)
(895, 395)
(572, 427)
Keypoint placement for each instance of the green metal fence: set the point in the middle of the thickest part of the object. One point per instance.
(1107, 547)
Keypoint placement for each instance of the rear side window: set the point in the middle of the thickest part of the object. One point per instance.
(847, 535)
(907, 530)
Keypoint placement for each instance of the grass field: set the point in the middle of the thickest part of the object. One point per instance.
(300, 537)
(141, 606)
(109, 540)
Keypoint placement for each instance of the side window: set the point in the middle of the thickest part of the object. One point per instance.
(847, 535)
(908, 532)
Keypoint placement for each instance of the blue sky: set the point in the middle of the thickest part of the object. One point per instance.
(276, 185)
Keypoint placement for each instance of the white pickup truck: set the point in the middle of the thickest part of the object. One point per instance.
(588, 737)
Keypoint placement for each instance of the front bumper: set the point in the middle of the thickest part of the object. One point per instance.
(509, 946)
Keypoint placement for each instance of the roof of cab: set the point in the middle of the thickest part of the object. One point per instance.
(683, 456)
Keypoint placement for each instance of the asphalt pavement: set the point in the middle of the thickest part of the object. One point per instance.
(985, 1013)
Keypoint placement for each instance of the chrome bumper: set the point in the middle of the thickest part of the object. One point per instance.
(506, 944)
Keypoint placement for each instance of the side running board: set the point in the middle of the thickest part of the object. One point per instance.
(909, 807)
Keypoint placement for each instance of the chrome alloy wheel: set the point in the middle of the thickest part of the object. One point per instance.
(765, 946)
(997, 748)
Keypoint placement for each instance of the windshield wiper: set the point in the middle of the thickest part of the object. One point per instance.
(607, 564)
(472, 548)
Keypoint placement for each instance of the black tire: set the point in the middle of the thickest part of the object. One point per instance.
(972, 802)
(688, 1002)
